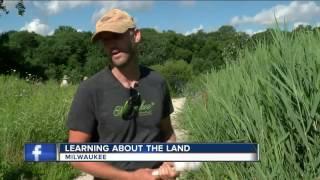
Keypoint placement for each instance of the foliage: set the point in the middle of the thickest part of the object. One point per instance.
(176, 73)
(19, 6)
(66, 52)
(28, 114)
(71, 53)
(270, 96)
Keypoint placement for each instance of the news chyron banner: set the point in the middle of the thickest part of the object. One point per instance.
(141, 152)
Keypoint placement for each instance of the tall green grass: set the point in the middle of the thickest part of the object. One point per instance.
(32, 113)
(270, 96)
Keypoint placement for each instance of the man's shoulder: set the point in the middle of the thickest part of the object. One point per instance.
(95, 81)
(152, 75)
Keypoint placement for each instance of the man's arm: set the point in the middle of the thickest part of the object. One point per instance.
(166, 170)
(167, 131)
(103, 170)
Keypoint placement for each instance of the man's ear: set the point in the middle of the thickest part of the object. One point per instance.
(137, 36)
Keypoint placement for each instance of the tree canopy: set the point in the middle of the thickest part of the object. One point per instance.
(19, 6)
(68, 52)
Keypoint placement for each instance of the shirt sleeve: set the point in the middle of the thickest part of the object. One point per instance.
(167, 102)
(81, 115)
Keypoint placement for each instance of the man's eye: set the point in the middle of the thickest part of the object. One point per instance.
(106, 38)
(113, 37)
(117, 36)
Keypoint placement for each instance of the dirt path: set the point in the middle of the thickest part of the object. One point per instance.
(180, 133)
(178, 104)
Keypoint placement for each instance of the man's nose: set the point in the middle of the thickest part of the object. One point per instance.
(110, 44)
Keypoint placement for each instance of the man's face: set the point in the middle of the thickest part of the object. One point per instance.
(120, 47)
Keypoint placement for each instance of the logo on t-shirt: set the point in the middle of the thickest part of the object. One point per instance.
(145, 109)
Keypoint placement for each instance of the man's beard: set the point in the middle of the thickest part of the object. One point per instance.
(122, 64)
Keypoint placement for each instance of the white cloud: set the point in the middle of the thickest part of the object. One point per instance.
(79, 30)
(296, 24)
(10, 4)
(51, 33)
(295, 11)
(36, 26)
(126, 5)
(194, 30)
(54, 7)
(251, 32)
(317, 24)
(57, 6)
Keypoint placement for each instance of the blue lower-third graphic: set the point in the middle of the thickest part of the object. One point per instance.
(40, 152)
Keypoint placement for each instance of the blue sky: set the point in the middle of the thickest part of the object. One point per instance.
(181, 16)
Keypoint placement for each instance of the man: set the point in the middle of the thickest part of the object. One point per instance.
(123, 103)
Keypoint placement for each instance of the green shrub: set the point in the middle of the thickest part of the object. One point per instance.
(176, 73)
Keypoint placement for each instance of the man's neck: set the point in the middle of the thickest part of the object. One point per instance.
(127, 75)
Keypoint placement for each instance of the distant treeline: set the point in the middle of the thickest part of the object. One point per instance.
(176, 56)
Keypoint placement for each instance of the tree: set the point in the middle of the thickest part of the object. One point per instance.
(64, 29)
(226, 29)
(96, 60)
(154, 47)
(265, 36)
(19, 6)
(176, 72)
(303, 28)
(201, 65)
(17, 51)
(5, 53)
(316, 29)
(184, 54)
(63, 53)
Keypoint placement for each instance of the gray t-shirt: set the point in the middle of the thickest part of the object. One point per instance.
(97, 105)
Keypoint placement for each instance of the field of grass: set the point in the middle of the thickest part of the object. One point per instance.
(270, 96)
(32, 113)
